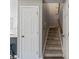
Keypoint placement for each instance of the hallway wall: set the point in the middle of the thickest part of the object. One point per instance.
(66, 29)
(52, 13)
(13, 17)
(44, 22)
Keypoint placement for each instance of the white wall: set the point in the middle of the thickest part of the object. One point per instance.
(66, 30)
(13, 17)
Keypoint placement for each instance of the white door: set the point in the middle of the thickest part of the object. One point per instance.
(29, 32)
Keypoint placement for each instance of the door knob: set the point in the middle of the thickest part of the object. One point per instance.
(63, 35)
(22, 36)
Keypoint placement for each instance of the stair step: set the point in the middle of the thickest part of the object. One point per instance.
(53, 53)
(53, 41)
(53, 35)
(53, 38)
(53, 45)
(54, 29)
(53, 48)
(53, 57)
(56, 32)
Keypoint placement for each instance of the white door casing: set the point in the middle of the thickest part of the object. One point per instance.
(29, 32)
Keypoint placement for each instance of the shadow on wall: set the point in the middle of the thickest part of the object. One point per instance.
(51, 13)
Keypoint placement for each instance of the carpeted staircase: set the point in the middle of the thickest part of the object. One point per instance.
(53, 48)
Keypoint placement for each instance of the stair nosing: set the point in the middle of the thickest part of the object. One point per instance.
(53, 55)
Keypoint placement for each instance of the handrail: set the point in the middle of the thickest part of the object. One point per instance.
(60, 37)
(45, 41)
(59, 17)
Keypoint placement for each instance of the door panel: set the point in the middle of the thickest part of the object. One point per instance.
(30, 32)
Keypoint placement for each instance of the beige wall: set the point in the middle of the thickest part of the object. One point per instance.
(51, 11)
(44, 22)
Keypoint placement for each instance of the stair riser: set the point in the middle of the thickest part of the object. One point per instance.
(52, 38)
(55, 38)
(53, 45)
(54, 35)
(53, 57)
(53, 32)
(53, 51)
(54, 42)
(53, 48)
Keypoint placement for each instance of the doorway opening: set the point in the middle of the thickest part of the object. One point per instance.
(54, 30)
